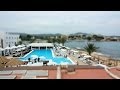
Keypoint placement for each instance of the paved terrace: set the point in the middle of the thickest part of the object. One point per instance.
(32, 72)
(115, 71)
(74, 59)
(50, 72)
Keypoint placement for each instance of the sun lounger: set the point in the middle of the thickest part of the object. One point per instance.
(43, 78)
(28, 77)
(5, 72)
(8, 77)
(19, 72)
(37, 73)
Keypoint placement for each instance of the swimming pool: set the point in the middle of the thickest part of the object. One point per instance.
(49, 55)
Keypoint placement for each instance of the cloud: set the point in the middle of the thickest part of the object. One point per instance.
(61, 21)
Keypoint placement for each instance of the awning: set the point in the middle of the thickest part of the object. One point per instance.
(13, 47)
(1, 49)
(8, 48)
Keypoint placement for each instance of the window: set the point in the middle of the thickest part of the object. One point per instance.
(9, 37)
(6, 37)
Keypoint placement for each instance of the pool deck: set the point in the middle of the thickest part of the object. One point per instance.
(74, 59)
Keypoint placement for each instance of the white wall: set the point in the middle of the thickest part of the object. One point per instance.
(9, 39)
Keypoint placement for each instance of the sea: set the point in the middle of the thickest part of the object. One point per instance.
(110, 48)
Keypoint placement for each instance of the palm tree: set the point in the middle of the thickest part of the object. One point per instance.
(90, 48)
(89, 38)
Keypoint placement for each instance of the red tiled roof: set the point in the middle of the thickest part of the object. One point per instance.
(87, 74)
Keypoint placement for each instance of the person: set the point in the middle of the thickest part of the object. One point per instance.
(66, 56)
(29, 59)
(77, 63)
(38, 59)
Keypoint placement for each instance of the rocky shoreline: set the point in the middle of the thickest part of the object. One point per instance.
(106, 60)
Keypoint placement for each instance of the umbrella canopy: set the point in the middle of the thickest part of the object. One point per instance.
(67, 48)
(34, 56)
(3, 59)
(14, 62)
(19, 46)
(13, 47)
(8, 48)
(78, 48)
(51, 63)
(23, 45)
(75, 51)
(83, 54)
(63, 50)
(1, 49)
(18, 50)
(72, 50)
(23, 48)
(1, 65)
(87, 56)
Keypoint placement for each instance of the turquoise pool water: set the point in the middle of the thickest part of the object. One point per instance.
(48, 55)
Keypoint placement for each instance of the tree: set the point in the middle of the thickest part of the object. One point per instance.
(89, 38)
(2, 43)
(63, 40)
(32, 40)
(98, 38)
(90, 48)
(49, 40)
(53, 40)
(29, 37)
(83, 36)
(58, 40)
(19, 43)
(20, 36)
(15, 44)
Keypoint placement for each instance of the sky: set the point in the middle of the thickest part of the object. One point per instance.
(64, 22)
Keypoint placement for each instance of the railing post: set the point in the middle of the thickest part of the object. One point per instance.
(58, 72)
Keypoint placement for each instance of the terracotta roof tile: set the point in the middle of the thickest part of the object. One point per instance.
(87, 74)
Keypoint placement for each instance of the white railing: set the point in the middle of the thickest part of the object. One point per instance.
(111, 74)
(58, 72)
(28, 54)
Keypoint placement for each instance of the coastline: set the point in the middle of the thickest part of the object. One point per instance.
(108, 48)
(105, 60)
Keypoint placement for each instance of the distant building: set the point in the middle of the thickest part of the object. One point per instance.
(8, 39)
(40, 41)
(111, 38)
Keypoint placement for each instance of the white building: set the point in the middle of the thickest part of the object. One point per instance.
(8, 39)
(41, 46)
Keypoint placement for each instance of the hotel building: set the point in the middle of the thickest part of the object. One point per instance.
(8, 39)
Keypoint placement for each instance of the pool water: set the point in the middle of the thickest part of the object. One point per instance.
(48, 56)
